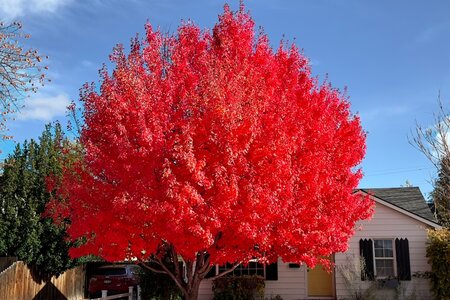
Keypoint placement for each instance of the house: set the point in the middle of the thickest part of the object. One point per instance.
(386, 256)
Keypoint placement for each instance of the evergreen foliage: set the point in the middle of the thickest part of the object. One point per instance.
(441, 193)
(24, 193)
(438, 253)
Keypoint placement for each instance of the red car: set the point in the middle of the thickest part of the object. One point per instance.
(115, 279)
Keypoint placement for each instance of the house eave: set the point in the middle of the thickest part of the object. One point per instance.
(400, 210)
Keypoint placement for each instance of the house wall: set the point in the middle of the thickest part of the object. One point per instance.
(292, 285)
(389, 224)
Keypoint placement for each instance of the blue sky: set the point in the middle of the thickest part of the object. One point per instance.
(393, 56)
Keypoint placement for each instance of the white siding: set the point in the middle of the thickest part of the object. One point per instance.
(291, 284)
(387, 223)
(205, 292)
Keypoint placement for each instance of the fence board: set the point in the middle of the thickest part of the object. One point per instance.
(17, 282)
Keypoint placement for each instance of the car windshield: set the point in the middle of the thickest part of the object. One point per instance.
(110, 271)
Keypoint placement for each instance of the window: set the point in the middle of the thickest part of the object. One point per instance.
(253, 268)
(384, 258)
(269, 272)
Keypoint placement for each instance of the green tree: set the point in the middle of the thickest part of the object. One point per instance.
(433, 141)
(441, 193)
(24, 193)
(438, 253)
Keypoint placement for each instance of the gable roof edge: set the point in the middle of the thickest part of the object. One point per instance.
(399, 209)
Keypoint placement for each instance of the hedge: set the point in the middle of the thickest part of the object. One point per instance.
(239, 288)
(438, 253)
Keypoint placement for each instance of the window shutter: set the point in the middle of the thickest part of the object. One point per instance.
(403, 264)
(366, 252)
(272, 271)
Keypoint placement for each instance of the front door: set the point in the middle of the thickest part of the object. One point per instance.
(320, 282)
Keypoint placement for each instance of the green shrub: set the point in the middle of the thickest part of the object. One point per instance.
(438, 253)
(239, 288)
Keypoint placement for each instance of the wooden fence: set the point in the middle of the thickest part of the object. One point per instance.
(18, 282)
(131, 295)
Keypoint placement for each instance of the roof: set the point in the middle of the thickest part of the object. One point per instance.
(407, 198)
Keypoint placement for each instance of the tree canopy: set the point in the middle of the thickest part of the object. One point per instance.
(24, 193)
(214, 148)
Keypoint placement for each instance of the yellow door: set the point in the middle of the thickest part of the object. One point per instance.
(320, 282)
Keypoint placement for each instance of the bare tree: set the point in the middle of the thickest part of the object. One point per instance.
(434, 143)
(21, 71)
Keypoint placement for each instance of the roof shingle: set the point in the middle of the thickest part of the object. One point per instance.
(407, 198)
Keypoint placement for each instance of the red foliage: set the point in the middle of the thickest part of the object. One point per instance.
(214, 142)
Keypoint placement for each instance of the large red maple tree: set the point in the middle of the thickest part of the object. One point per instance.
(211, 147)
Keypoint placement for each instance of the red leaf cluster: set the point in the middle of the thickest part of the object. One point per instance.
(212, 141)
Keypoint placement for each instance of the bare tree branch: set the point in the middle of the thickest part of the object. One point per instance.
(21, 71)
(433, 142)
(147, 266)
(227, 271)
(180, 284)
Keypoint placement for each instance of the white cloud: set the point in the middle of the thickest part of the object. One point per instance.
(11, 9)
(433, 32)
(44, 107)
(384, 112)
(440, 133)
(314, 62)
(87, 63)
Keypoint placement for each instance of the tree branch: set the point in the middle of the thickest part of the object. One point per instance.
(180, 284)
(145, 265)
(189, 271)
(206, 270)
(174, 257)
(227, 271)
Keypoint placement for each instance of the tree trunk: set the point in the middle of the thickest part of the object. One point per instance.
(192, 293)
(196, 270)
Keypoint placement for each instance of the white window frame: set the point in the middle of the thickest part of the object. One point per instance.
(393, 258)
(252, 260)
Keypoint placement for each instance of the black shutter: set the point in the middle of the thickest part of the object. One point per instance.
(272, 271)
(402, 253)
(366, 252)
